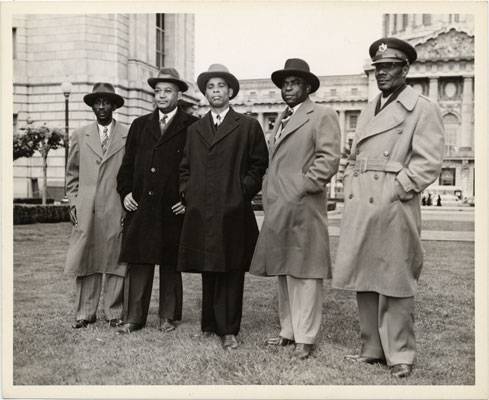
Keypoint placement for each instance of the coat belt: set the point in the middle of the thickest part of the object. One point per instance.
(362, 165)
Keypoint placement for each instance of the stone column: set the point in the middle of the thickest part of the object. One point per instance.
(341, 117)
(261, 120)
(433, 89)
(467, 134)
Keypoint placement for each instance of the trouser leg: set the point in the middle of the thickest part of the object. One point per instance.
(228, 302)
(208, 322)
(306, 308)
(284, 313)
(170, 300)
(396, 329)
(138, 285)
(368, 312)
(88, 289)
(113, 295)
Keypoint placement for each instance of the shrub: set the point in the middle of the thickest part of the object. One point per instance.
(30, 214)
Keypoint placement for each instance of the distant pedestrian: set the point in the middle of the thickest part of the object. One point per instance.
(96, 152)
(438, 201)
(423, 200)
(429, 201)
(221, 171)
(397, 152)
(294, 243)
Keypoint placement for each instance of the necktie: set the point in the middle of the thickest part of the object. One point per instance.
(218, 121)
(105, 139)
(163, 124)
(287, 114)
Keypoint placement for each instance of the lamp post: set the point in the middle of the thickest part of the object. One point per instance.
(66, 89)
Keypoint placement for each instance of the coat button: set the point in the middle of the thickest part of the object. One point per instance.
(150, 193)
(358, 152)
(386, 153)
(98, 162)
(350, 196)
(355, 173)
(371, 200)
(153, 169)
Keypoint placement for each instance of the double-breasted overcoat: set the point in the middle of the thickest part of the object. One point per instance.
(219, 175)
(91, 187)
(150, 170)
(294, 236)
(395, 155)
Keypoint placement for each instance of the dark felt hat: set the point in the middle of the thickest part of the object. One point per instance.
(168, 75)
(391, 49)
(103, 89)
(296, 67)
(219, 71)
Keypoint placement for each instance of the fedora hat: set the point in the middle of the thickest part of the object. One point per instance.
(296, 67)
(168, 75)
(103, 89)
(391, 49)
(220, 71)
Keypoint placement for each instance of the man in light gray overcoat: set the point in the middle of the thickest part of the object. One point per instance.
(95, 155)
(293, 243)
(397, 152)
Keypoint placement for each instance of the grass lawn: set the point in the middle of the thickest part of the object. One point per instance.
(48, 352)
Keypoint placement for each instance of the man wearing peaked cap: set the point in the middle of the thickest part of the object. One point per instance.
(94, 158)
(148, 187)
(221, 171)
(397, 152)
(293, 244)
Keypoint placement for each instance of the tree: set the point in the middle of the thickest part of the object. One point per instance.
(38, 138)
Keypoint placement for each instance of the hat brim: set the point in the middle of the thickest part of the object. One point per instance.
(279, 76)
(181, 84)
(389, 59)
(204, 77)
(90, 98)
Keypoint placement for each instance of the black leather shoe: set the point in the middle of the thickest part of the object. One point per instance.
(364, 359)
(279, 341)
(401, 370)
(115, 322)
(166, 325)
(81, 323)
(302, 351)
(229, 342)
(128, 327)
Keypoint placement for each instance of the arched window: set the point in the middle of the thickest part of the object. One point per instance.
(452, 127)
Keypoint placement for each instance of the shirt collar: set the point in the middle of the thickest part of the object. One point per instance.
(222, 114)
(169, 115)
(109, 128)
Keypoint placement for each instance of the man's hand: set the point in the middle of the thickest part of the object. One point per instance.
(178, 208)
(73, 218)
(401, 193)
(129, 203)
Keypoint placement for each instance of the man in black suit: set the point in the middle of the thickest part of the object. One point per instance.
(148, 185)
(225, 159)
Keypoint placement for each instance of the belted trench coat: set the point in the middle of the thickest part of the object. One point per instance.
(294, 236)
(91, 188)
(395, 155)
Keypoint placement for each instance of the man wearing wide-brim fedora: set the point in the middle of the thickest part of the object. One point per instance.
(148, 186)
(95, 155)
(222, 169)
(294, 244)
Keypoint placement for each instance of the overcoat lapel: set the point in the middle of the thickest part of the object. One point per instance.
(155, 125)
(391, 116)
(205, 129)
(176, 125)
(298, 119)
(93, 139)
(116, 141)
(229, 124)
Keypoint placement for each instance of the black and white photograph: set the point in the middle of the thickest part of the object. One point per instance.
(250, 199)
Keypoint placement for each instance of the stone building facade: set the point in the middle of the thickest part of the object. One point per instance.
(123, 49)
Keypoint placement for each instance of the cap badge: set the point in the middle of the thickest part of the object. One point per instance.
(382, 47)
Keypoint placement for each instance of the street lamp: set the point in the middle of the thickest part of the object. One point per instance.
(66, 89)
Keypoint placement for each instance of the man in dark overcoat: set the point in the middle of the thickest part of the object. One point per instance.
(293, 244)
(148, 186)
(397, 153)
(222, 169)
(95, 155)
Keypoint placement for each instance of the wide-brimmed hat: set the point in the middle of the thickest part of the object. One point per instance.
(220, 71)
(168, 75)
(391, 49)
(103, 89)
(296, 67)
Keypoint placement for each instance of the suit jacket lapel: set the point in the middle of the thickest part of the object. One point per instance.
(205, 129)
(116, 141)
(93, 139)
(229, 124)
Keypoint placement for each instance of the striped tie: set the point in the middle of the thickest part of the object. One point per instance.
(105, 139)
(163, 124)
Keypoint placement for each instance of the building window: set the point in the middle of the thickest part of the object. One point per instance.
(457, 17)
(15, 116)
(447, 177)
(160, 40)
(270, 122)
(332, 92)
(426, 19)
(14, 43)
(386, 24)
(354, 91)
(352, 121)
(452, 125)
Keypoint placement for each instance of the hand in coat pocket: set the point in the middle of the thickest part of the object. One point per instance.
(401, 193)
